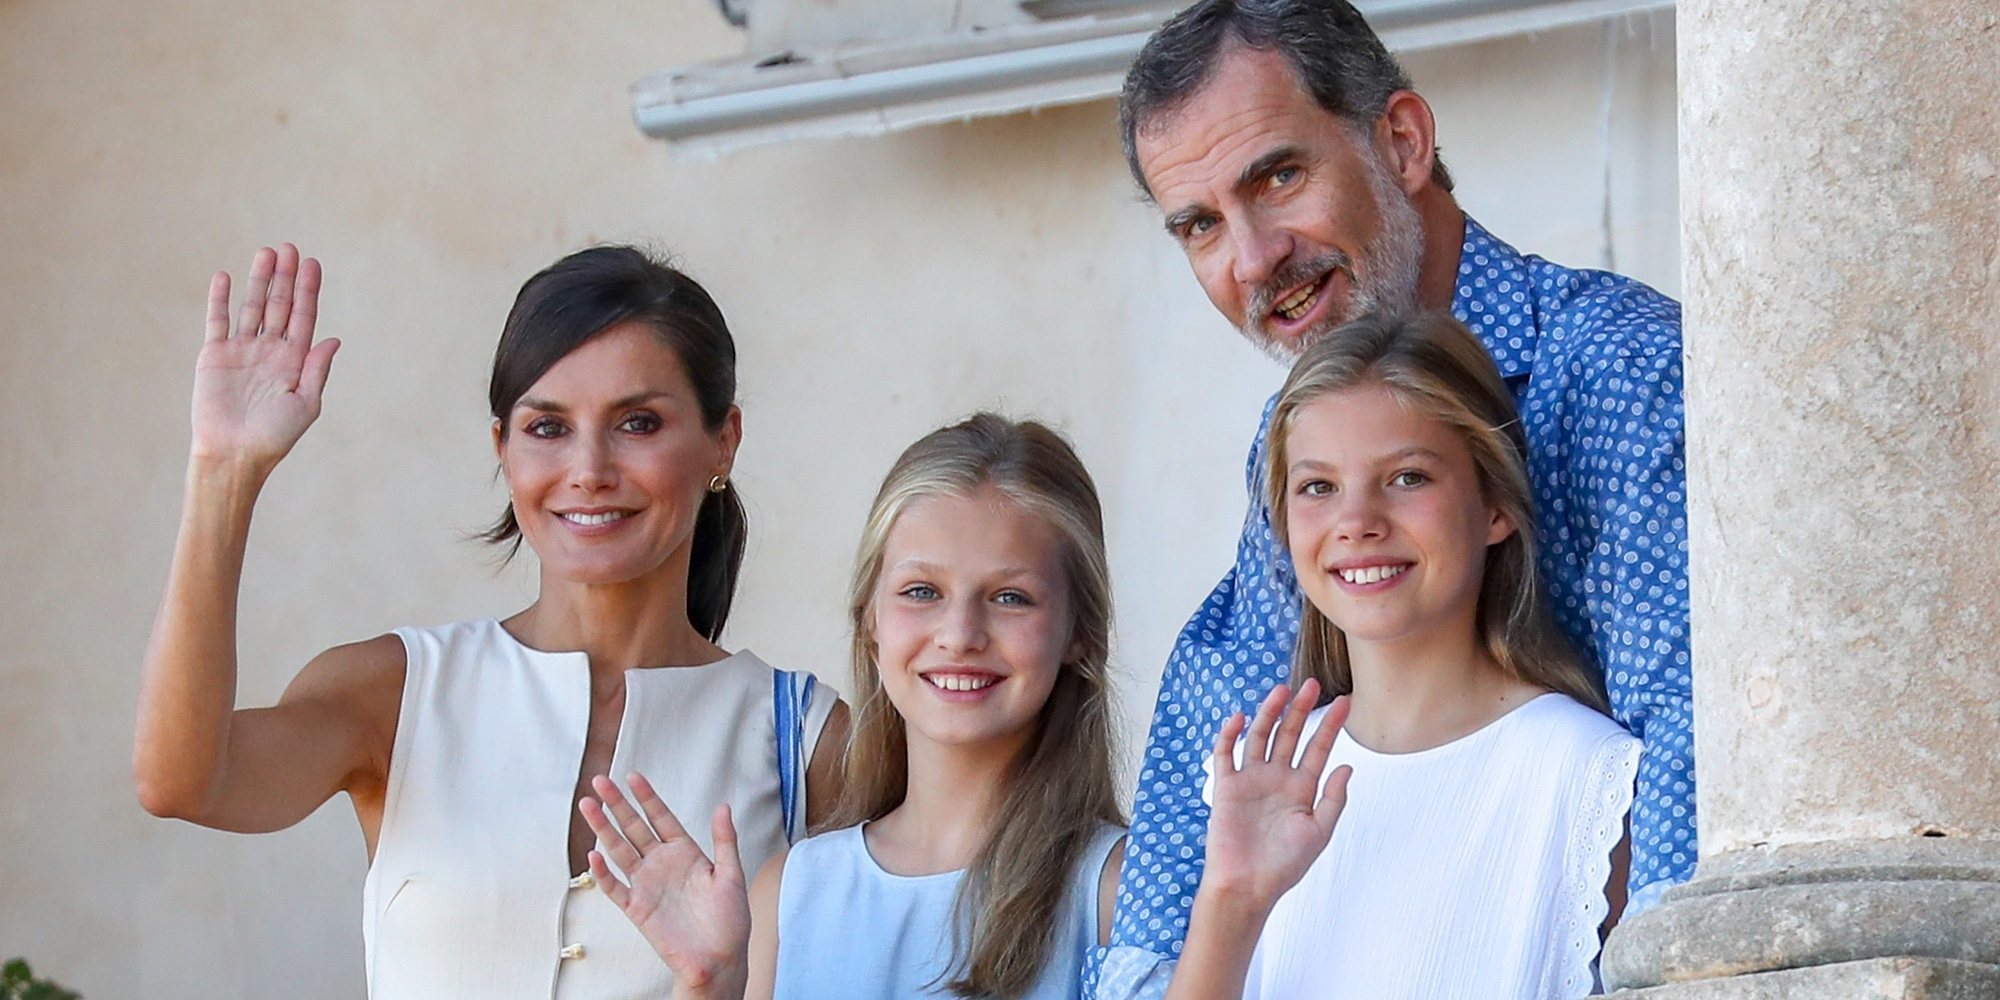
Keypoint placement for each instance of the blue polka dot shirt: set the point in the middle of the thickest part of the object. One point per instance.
(1594, 360)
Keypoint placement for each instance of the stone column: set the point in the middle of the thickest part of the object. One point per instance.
(1840, 183)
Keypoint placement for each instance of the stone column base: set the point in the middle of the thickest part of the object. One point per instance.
(1875, 979)
(1840, 905)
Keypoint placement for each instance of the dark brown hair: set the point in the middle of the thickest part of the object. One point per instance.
(587, 293)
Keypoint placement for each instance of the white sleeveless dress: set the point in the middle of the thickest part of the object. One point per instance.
(1470, 871)
(470, 894)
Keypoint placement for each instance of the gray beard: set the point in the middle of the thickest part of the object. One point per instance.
(1388, 284)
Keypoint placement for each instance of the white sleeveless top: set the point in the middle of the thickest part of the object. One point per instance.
(470, 895)
(848, 930)
(1470, 871)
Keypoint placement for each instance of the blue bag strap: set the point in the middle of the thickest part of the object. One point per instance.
(791, 696)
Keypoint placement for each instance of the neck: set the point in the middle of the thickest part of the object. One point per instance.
(1444, 242)
(948, 808)
(1418, 692)
(637, 623)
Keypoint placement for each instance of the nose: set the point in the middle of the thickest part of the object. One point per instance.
(1259, 251)
(1360, 517)
(591, 464)
(963, 627)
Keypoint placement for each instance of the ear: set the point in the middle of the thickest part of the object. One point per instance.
(728, 437)
(1408, 135)
(1499, 529)
(500, 442)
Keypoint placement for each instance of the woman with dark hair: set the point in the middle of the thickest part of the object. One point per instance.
(615, 424)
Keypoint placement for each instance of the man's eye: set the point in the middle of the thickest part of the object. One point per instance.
(1283, 176)
(1409, 477)
(1202, 225)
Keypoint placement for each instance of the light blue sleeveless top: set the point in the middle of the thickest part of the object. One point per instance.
(848, 930)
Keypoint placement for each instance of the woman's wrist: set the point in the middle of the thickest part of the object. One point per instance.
(1230, 902)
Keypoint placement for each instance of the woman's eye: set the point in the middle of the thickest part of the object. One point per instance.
(1409, 477)
(640, 423)
(543, 427)
(919, 592)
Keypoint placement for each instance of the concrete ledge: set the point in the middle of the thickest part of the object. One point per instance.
(1770, 909)
(1876, 979)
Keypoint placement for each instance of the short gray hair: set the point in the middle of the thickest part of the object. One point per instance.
(1337, 57)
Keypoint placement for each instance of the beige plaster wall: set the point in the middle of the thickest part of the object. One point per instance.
(434, 156)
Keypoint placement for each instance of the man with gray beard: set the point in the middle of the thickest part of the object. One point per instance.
(1299, 172)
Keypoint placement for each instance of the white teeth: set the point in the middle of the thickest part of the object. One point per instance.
(1371, 574)
(962, 682)
(594, 519)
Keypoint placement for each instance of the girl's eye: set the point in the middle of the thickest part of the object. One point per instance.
(1315, 488)
(1015, 598)
(545, 427)
(919, 592)
(1409, 477)
(640, 423)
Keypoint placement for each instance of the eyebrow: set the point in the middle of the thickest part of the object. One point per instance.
(1255, 171)
(926, 566)
(551, 406)
(1413, 451)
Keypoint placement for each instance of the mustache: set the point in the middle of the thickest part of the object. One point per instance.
(1292, 275)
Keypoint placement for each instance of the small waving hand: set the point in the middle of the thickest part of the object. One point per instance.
(1270, 818)
(696, 914)
(257, 382)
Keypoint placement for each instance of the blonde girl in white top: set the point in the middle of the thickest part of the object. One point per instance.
(981, 609)
(1478, 790)
(615, 427)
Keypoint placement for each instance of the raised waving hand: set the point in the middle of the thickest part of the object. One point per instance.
(695, 913)
(258, 380)
(1270, 817)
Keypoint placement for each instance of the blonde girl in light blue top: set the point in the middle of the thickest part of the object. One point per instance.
(978, 837)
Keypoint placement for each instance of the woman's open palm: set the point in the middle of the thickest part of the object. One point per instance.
(258, 381)
(1270, 817)
(695, 914)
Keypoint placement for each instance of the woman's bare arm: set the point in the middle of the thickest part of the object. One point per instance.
(258, 384)
(826, 772)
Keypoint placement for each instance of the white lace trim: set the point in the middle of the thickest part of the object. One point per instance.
(1600, 822)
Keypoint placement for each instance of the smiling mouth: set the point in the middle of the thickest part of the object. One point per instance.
(1372, 574)
(1301, 301)
(593, 520)
(961, 682)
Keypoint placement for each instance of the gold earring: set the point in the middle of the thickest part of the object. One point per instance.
(717, 484)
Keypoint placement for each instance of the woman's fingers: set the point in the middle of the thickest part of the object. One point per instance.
(1293, 724)
(609, 837)
(1260, 727)
(1320, 747)
(250, 316)
(664, 823)
(728, 863)
(608, 881)
(1332, 799)
(629, 821)
(305, 302)
(1225, 745)
(218, 308)
(278, 301)
(312, 376)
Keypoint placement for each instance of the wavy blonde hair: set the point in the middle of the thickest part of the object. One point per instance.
(1432, 362)
(1061, 789)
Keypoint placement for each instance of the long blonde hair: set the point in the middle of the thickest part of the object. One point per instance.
(1061, 789)
(1433, 362)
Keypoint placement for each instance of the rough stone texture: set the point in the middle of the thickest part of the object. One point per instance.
(1818, 904)
(1875, 979)
(1841, 234)
(1841, 239)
